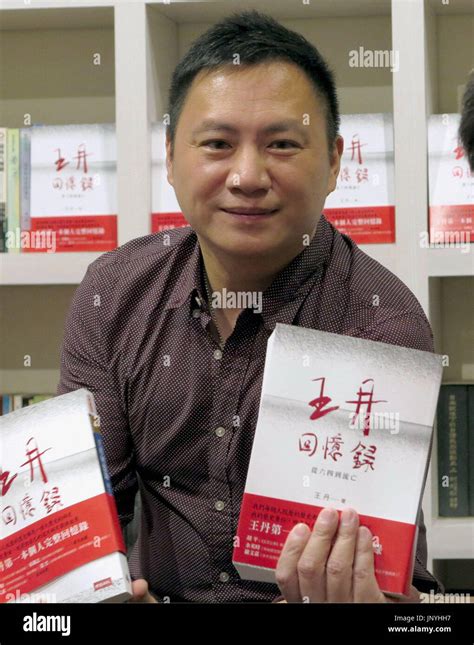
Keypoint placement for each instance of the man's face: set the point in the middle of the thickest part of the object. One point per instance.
(226, 156)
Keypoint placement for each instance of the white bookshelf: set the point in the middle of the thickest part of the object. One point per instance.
(141, 43)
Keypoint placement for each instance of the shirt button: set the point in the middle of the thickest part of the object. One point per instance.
(224, 576)
(217, 354)
(220, 432)
(219, 505)
(196, 313)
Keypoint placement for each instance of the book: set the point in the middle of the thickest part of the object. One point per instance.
(470, 427)
(60, 537)
(165, 210)
(25, 179)
(451, 184)
(340, 424)
(453, 446)
(13, 189)
(363, 204)
(3, 189)
(73, 179)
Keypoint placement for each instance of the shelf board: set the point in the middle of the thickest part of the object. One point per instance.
(16, 15)
(29, 381)
(451, 8)
(451, 538)
(189, 11)
(44, 268)
(450, 262)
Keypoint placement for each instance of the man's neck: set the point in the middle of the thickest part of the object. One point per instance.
(237, 274)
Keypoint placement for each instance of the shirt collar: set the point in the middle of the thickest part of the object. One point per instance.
(282, 299)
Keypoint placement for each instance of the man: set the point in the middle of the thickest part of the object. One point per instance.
(466, 127)
(252, 152)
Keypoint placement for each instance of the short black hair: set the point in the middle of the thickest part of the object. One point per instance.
(256, 38)
(466, 127)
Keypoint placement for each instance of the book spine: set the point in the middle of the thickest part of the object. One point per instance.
(452, 451)
(3, 189)
(103, 463)
(13, 187)
(470, 425)
(25, 179)
(17, 402)
(6, 407)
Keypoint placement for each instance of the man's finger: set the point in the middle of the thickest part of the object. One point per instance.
(364, 583)
(312, 563)
(341, 559)
(286, 572)
(140, 592)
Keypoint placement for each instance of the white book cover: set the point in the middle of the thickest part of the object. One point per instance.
(73, 188)
(165, 210)
(3, 189)
(363, 204)
(451, 182)
(343, 422)
(60, 536)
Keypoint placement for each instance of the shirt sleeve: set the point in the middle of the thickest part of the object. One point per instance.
(414, 331)
(84, 364)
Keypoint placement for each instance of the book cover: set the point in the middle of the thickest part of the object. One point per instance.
(363, 204)
(451, 183)
(453, 445)
(165, 210)
(3, 189)
(60, 537)
(470, 428)
(25, 179)
(340, 424)
(73, 204)
(13, 189)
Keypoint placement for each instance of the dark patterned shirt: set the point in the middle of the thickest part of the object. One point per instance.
(137, 335)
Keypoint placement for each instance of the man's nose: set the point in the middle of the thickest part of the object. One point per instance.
(249, 170)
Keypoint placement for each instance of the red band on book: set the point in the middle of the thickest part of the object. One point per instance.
(59, 543)
(72, 233)
(162, 221)
(364, 224)
(265, 523)
(458, 218)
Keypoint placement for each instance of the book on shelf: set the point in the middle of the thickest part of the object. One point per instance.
(3, 188)
(60, 539)
(11, 402)
(455, 427)
(363, 204)
(13, 186)
(60, 188)
(165, 210)
(451, 183)
(340, 424)
(470, 416)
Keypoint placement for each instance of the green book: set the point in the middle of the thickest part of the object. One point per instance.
(470, 426)
(453, 461)
(13, 189)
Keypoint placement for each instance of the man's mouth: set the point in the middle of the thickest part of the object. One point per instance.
(250, 212)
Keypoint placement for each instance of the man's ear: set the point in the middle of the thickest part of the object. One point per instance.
(336, 156)
(169, 159)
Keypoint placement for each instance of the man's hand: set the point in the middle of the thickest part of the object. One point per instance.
(332, 563)
(140, 592)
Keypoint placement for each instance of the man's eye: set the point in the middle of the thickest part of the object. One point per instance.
(286, 142)
(215, 144)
